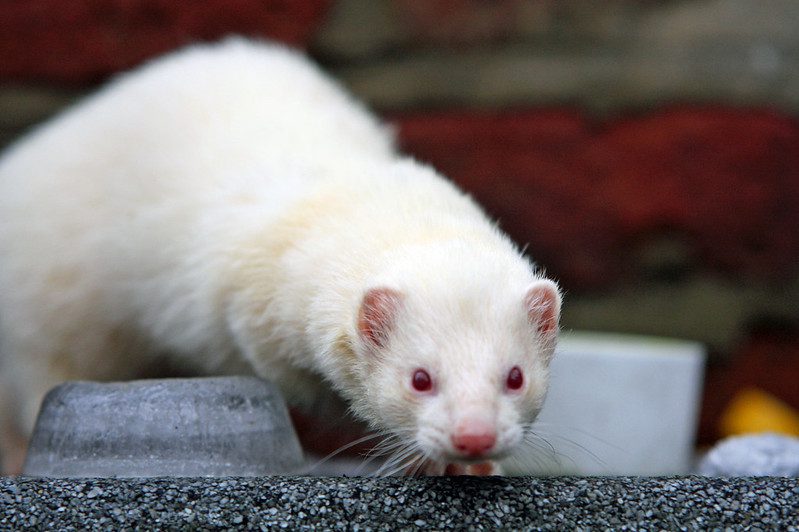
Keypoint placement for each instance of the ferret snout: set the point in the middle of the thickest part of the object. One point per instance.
(474, 438)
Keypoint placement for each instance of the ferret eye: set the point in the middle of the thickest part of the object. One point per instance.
(515, 379)
(421, 381)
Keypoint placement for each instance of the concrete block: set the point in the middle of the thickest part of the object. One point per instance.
(221, 426)
(620, 405)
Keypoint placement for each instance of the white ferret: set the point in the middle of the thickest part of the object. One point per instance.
(231, 208)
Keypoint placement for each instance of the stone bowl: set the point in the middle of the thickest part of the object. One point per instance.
(199, 427)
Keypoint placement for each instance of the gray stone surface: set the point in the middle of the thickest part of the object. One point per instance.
(305, 503)
(217, 426)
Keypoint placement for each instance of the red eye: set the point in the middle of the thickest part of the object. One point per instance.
(421, 381)
(515, 378)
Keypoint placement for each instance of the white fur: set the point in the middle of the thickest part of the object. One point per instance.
(228, 206)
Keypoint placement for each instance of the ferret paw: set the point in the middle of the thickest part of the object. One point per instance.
(437, 469)
(483, 469)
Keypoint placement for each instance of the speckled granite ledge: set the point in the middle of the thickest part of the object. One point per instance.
(297, 503)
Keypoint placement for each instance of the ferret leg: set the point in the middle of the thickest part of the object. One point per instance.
(13, 443)
(13, 447)
(437, 469)
(27, 378)
(19, 406)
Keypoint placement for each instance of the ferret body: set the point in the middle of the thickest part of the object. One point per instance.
(232, 209)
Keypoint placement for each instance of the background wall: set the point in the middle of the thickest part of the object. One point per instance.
(646, 151)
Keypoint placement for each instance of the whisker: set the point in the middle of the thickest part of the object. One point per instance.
(341, 449)
(421, 461)
(392, 459)
(547, 452)
(580, 447)
(389, 446)
(392, 443)
(396, 458)
(580, 431)
(571, 443)
(405, 465)
(527, 463)
(539, 438)
(408, 450)
(542, 451)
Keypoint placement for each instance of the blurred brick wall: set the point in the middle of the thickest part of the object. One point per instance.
(82, 41)
(646, 151)
(723, 182)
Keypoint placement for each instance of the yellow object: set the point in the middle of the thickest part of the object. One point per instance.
(753, 410)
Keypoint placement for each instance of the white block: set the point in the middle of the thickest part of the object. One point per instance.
(619, 405)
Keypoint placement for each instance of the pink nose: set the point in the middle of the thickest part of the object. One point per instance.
(474, 443)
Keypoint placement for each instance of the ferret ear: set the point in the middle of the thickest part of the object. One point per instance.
(377, 315)
(543, 309)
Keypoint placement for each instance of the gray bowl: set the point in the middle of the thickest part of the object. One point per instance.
(211, 427)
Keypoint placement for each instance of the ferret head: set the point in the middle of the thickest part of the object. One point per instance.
(457, 362)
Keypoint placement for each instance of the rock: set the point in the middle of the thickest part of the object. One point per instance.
(753, 455)
(222, 426)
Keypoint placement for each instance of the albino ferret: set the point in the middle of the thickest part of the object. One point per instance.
(232, 209)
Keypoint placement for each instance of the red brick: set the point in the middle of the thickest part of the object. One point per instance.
(81, 41)
(726, 181)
